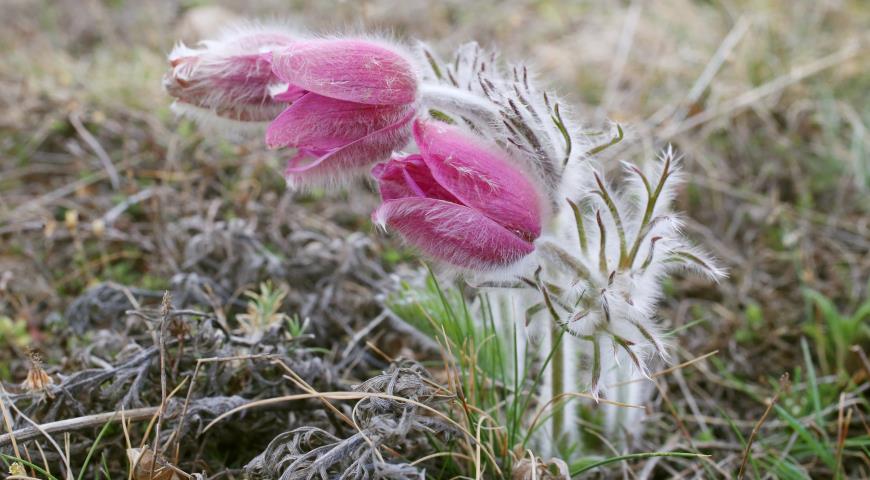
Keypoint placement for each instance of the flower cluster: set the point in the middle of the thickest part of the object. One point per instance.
(501, 185)
(343, 104)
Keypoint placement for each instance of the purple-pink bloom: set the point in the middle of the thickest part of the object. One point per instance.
(460, 200)
(230, 78)
(351, 105)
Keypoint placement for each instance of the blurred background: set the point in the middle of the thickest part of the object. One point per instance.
(767, 100)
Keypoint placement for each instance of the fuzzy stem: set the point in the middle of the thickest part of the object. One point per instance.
(557, 384)
(455, 99)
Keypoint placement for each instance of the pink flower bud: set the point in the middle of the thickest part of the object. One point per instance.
(460, 200)
(352, 106)
(229, 77)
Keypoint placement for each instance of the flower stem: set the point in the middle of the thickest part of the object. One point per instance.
(457, 100)
(557, 384)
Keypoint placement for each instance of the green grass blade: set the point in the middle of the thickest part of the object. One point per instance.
(819, 449)
(634, 456)
(813, 382)
(93, 449)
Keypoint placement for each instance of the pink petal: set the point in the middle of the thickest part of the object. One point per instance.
(481, 176)
(352, 70)
(327, 159)
(452, 233)
(408, 177)
(323, 123)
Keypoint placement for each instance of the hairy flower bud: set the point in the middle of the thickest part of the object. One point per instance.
(460, 200)
(230, 78)
(351, 105)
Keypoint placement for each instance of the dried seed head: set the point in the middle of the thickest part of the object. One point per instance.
(38, 380)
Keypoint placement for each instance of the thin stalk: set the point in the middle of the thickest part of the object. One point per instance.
(558, 382)
(557, 373)
(596, 366)
(443, 97)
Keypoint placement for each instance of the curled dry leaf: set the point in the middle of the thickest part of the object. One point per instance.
(552, 469)
(148, 466)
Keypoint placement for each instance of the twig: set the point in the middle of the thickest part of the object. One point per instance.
(362, 334)
(53, 196)
(863, 356)
(345, 396)
(728, 43)
(843, 422)
(112, 214)
(703, 81)
(783, 383)
(98, 149)
(165, 309)
(78, 423)
(303, 385)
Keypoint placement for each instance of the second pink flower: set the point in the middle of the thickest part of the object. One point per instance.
(460, 200)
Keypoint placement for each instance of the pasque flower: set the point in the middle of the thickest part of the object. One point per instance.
(351, 105)
(460, 200)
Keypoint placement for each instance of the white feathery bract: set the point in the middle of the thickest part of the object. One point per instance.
(597, 275)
